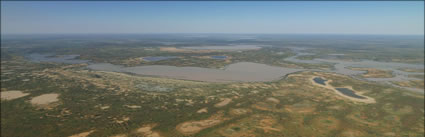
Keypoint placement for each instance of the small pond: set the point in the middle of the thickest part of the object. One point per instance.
(319, 80)
(349, 92)
(218, 57)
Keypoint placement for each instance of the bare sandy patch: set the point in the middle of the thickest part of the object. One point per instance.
(13, 94)
(133, 106)
(266, 124)
(192, 127)
(239, 111)
(273, 100)
(223, 103)
(104, 107)
(119, 135)
(146, 131)
(122, 120)
(351, 133)
(203, 110)
(45, 99)
(84, 134)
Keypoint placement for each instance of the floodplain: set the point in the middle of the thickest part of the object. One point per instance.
(211, 89)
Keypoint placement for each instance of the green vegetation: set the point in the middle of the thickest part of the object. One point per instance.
(112, 103)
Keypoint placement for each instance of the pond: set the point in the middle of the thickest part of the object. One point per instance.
(349, 92)
(218, 57)
(319, 80)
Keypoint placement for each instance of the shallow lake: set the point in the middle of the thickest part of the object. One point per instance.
(349, 92)
(68, 59)
(238, 72)
(319, 80)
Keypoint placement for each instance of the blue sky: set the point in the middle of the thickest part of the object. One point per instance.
(290, 17)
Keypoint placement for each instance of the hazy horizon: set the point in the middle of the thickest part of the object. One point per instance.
(287, 17)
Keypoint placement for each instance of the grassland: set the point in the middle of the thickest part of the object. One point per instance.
(411, 83)
(375, 73)
(96, 103)
(105, 104)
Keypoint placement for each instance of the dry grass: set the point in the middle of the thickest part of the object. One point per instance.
(411, 83)
(375, 73)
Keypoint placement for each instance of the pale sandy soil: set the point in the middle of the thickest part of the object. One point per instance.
(119, 135)
(45, 99)
(274, 100)
(192, 127)
(122, 120)
(13, 94)
(84, 134)
(203, 110)
(132, 106)
(147, 131)
(223, 103)
(104, 107)
(239, 111)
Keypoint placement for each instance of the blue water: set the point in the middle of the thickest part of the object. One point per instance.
(219, 57)
(158, 58)
(349, 92)
(320, 81)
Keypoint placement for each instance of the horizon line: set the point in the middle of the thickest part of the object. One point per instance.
(226, 33)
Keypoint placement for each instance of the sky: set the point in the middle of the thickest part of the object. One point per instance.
(282, 17)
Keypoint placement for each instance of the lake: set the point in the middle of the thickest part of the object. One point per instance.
(237, 72)
(349, 92)
(68, 59)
